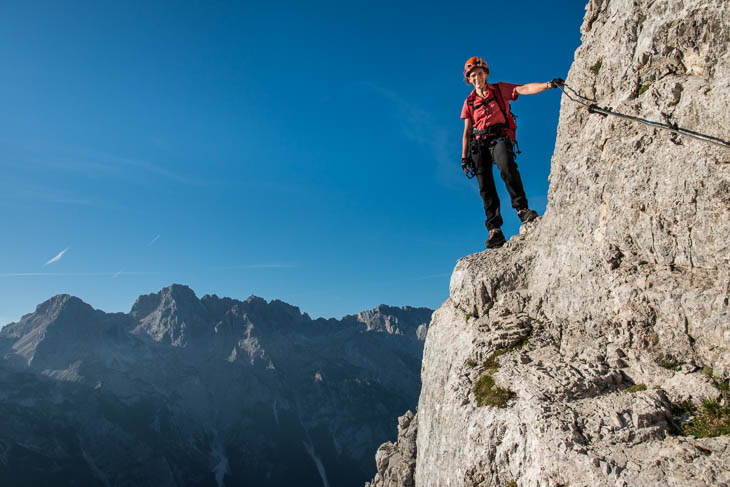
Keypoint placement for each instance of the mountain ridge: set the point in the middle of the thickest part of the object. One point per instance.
(265, 392)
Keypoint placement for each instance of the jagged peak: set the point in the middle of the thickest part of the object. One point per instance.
(289, 308)
(59, 324)
(167, 296)
(174, 313)
(46, 313)
(175, 289)
(179, 292)
(388, 309)
(253, 299)
(253, 304)
(56, 303)
(393, 320)
(215, 298)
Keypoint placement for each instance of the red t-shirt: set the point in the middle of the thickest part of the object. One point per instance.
(485, 115)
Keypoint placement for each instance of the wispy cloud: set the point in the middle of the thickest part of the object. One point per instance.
(254, 266)
(159, 170)
(116, 164)
(100, 164)
(19, 191)
(152, 242)
(270, 266)
(58, 257)
(426, 130)
(72, 202)
(75, 274)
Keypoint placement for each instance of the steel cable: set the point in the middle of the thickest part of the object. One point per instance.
(594, 108)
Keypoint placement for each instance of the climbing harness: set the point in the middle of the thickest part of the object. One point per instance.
(672, 127)
(477, 146)
(493, 130)
(498, 129)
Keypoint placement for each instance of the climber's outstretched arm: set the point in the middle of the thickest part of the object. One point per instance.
(533, 88)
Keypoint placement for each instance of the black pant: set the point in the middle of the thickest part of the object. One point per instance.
(499, 151)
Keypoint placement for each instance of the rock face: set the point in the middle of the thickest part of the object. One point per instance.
(396, 462)
(210, 391)
(623, 282)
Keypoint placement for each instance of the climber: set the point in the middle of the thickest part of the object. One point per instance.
(489, 136)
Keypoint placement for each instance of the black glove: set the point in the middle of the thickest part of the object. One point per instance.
(557, 82)
(468, 167)
(465, 164)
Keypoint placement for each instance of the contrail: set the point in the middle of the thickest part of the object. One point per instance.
(254, 266)
(58, 257)
(75, 274)
(153, 241)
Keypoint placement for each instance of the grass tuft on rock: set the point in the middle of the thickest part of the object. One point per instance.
(668, 362)
(489, 394)
(685, 408)
(722, 385)
(712, 420)
(486, 391)
(636, 388)
(491, 363)
(596, 68)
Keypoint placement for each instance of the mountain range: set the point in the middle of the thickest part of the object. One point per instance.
(202, 391)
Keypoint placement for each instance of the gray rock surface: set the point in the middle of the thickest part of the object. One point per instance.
(628, 269)
(209, 391)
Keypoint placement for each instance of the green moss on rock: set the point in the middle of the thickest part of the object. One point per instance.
(489, 394)
(712, 420)
(596, 67)
(637, 388)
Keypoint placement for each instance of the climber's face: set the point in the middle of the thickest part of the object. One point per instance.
(478, 78)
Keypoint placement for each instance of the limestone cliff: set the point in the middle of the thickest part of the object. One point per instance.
(596, 336)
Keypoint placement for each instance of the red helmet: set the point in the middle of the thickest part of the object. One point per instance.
(471, 64)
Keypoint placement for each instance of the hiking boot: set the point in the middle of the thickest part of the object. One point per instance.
(496, 238)
(526, 215)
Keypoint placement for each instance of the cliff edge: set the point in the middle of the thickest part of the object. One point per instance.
(593, 348)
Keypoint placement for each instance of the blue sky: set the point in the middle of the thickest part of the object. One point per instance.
(308, 152)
